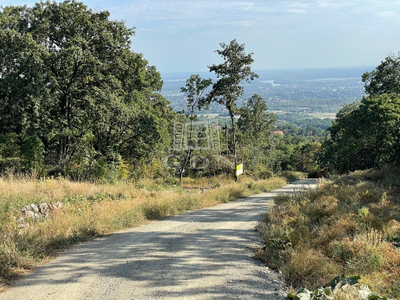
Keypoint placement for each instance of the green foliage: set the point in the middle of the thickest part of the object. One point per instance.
(304, 158)
(327, 292)
(365, 135)
(292, 175)
(255, 122)
(10, 152)
(385, 78)
(194, 89)
(302, 124)
(73, 92)
(254, 136)
(227, 89)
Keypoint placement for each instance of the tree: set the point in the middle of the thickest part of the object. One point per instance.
(254, 121)
(305, 156)
(227, 89)
(254, 130)
(385, 79)
(194, 90)
(72, 89)
(365, 135)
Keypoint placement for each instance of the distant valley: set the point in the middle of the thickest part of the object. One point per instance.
(318, 92)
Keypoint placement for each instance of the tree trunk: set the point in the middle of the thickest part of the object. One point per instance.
(232, 115)
(182, 169)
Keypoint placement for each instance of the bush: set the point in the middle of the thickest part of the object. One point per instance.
(292, 175)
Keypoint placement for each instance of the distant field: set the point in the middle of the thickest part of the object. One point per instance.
(323, 115)
(207, 115)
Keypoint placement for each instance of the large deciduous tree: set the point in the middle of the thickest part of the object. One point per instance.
(235, 69)
(72, 90)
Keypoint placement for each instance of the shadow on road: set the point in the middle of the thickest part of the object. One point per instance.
(203, 254)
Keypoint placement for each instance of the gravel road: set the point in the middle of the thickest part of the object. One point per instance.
(203, 254)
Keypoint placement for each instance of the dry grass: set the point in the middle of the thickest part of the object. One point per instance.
(348, 226)
(91, 209)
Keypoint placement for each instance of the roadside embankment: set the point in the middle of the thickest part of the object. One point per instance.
(87, 210)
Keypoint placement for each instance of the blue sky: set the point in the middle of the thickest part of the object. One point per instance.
(181, 35)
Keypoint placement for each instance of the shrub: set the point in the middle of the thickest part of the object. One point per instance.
(349, 225)
(292, 175)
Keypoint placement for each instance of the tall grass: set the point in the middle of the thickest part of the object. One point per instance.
(348, 226)
(91, 209)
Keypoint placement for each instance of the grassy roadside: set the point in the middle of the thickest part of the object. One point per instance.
(349, 226)
(90, 210)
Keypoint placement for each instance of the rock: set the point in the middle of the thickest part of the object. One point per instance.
(25, 209)
(29, 214)
(34, 208)
(34, 212)
(21, 223)
(364, 292)
(30, 207)
(55, 206)
(44, 209)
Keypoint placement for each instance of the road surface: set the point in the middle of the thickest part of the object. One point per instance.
(203, 254)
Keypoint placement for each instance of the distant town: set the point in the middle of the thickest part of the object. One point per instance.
(318, 92)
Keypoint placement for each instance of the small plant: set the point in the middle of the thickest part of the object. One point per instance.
(337, 288)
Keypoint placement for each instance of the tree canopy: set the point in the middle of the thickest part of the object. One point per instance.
(73, 92)
(365, 135)
(254, 121)
(254, 132)
(227, 89)
(385, 78)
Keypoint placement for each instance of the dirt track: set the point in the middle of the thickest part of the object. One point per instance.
(203, 254)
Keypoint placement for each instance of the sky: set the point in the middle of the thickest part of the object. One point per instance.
(182, 35)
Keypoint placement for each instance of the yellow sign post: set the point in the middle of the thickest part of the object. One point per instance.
(239, 169)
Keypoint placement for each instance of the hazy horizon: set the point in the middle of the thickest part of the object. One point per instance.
(279, 69)
(182, 35)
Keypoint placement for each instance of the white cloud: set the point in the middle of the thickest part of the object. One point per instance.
(174, 33)
(388, 14)
(296, 11)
